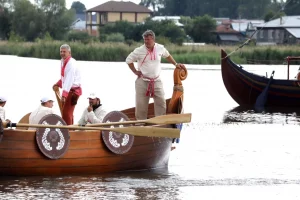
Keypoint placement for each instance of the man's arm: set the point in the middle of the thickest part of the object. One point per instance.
(177, 65)
(131, 58)
(133, 69)
(171, 60)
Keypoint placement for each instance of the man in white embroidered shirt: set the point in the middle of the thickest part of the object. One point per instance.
(70, 82)
(94, 113)
(148, 83)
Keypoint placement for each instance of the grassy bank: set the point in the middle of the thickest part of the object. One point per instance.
(118, 52)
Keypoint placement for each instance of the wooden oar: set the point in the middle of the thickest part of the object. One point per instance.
(262, 98)
(58, 98)
(163, 119)
(148, 131)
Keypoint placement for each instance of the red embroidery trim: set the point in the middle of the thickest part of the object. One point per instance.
(64, 66)
(152, 55)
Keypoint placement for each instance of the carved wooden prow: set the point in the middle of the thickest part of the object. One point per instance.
(175, 104)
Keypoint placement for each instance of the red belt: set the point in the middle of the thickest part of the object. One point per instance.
(150, 89)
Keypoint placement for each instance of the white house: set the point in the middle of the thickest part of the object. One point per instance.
(80, 22)
(175, 19)
(283, 30)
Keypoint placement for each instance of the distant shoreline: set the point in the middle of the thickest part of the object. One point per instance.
(117, 52)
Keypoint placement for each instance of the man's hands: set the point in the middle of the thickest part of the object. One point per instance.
(138, 73)
(90, 108)
(55, 87)
(63, 100)
(180, 66)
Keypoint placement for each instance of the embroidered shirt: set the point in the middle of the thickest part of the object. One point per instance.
(148, 62)
(71, 77)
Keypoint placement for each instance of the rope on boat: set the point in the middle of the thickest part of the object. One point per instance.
(257, 30)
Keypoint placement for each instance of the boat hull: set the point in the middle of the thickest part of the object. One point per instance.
(86, 154)
(245, 87)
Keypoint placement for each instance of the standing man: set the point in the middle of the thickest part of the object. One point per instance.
(44, 109)
(94, 113)
(2, 110)
(70, 83)
(148, 83)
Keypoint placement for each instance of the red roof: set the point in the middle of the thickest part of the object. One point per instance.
(120, 6)
(225, 28)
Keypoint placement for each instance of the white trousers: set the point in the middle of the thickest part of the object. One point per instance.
(142, 101)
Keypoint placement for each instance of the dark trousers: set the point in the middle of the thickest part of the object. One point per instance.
(69, 107)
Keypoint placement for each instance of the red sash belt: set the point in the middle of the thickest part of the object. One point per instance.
(150, 88)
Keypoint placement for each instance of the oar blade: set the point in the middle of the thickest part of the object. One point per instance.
(262, 98)
(58, 98)
(171, 119)
(148, 131)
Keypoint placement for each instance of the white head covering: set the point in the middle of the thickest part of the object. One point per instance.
(3, 99)
(93, 96)
(46, 99)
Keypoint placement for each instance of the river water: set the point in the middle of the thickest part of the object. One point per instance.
(226, 152)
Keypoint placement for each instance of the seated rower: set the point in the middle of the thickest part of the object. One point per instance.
(2, 110)
(44, 109)
(94, 113)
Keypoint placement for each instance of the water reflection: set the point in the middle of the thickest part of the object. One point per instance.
(155, 184)
(271, 115)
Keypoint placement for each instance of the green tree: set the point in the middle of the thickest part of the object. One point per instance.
(174, 7)
(58, 19)
(292, 7)
(155, 4)
(165, 28)
(123, 27)
(251, 9)
(78, 7)
(6, 3)
(202, 28)
(269, 16)
(5, 23)
(26, 20)
(174, 33)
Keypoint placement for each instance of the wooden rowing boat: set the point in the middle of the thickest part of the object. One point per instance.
(48, 151)
(245, 87)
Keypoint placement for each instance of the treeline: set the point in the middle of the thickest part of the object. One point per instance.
(199, 29)
(20, 20)
(234, 9)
